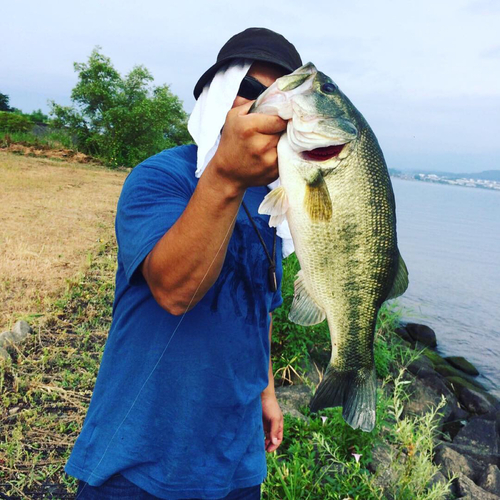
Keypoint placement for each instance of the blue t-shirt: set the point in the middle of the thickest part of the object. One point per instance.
(176, 406)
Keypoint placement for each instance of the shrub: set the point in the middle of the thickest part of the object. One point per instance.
(122, 120)
(13, 122)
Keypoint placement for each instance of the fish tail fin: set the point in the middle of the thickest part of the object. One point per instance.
(355, 391)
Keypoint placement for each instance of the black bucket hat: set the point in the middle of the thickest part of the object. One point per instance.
(258, 44)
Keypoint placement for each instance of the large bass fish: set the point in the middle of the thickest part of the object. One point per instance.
(337, 197)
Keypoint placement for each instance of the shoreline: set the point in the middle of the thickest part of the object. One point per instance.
(443, 183)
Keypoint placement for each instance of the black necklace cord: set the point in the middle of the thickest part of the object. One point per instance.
(271, 272)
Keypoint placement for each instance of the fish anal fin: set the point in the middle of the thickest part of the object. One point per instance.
(355, 391)
(276, 205)
(400, 281)
(304, 311)
(317, 201)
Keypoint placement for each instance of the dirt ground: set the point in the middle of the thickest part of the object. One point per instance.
(52, 214)
(49, 152)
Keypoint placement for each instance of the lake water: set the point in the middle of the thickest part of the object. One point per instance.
(449, 237)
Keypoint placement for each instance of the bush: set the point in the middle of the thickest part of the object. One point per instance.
(122, 120)
(38, 116)
(13, 122)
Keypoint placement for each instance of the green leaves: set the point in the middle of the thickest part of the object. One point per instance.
(121, 120)
(12, 122)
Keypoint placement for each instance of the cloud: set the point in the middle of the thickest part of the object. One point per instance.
(491, 53)
(483, 7)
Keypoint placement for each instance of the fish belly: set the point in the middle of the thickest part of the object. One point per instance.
(348, 261)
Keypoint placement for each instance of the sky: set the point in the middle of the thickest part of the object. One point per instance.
(425, 75)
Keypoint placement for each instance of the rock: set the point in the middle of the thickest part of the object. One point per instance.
(459, 414)
(292, 412)
(447, 370)
(293, 396)
(462, 364)
(433, 356)
(455, 421)
(402, 332)
(6, 338)
(479, 439)
(473, 399)
(467, 489)
(4, 355)
(481, 435)
(490, 479)
(438, 383)
(382, 465)
(21, 330)
(423, 398)
(471, 452)
(422, 367)
(453, 462)
(437, 478)
(422, 334)
(18, 334)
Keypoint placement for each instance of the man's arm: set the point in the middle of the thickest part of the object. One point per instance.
(272, 417)
(187, 260)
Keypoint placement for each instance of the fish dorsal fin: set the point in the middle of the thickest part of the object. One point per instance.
(304, 310)
(400, 281)
(317, 201)
(276, 205)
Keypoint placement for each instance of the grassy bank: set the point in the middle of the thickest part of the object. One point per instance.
(46, 387)
(40, 137)
(53, 213)
(323, 458)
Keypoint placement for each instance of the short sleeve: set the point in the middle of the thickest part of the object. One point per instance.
(277, 301)
(151, 201)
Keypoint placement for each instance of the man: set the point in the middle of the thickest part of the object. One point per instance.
(184, 403)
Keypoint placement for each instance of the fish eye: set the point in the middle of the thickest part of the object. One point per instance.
(328, 88)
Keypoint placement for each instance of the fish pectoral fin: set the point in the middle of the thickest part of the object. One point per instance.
(355, 391)
(304, 311)
(400, 281)
(317, 201)
(276, 205)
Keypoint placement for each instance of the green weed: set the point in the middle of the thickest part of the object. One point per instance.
(48, 138)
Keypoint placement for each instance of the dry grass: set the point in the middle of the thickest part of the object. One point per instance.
(52, 215)
(45, 387)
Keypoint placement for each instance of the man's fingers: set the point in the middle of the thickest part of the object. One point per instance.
(267, 124)
(275, 434)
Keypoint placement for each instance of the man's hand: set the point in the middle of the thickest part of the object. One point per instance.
(187, 260)
(272, 418)
(247, 154)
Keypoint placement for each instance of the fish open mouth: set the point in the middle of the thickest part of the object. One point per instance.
(322, 154)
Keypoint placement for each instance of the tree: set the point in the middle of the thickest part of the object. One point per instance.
(122, 120)
(4, 103)
(38, 116)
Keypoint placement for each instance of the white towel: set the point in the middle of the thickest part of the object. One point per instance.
(207, 120)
